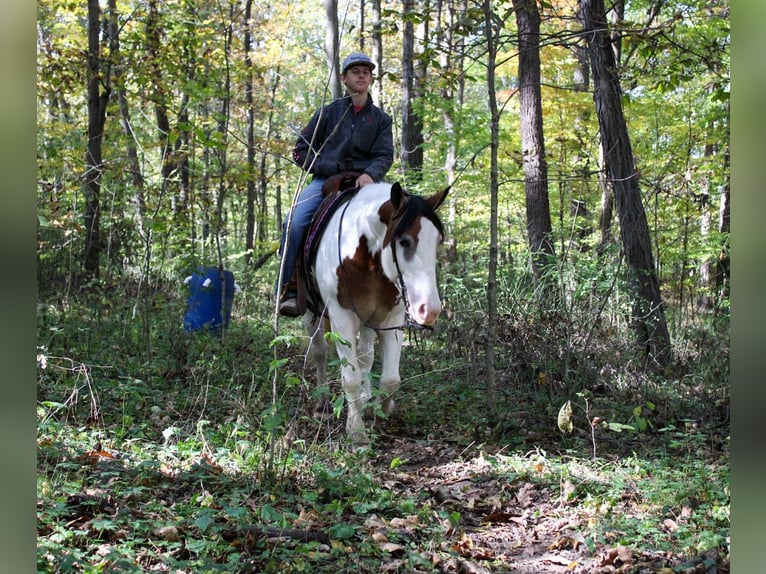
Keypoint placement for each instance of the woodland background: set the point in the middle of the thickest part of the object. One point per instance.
(586, 263)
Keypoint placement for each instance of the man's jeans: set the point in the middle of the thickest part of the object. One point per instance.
(308, 202)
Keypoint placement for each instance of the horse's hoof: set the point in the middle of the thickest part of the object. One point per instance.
(359, 441)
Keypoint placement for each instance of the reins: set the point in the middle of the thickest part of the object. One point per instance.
(409, 324)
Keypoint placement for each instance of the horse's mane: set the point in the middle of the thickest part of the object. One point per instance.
(414, 207)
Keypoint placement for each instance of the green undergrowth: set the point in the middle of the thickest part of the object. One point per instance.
(160, 450)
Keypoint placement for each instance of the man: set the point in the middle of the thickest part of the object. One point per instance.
(348, 134)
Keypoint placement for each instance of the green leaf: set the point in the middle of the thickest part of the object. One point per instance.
(204, 520)
(342, 531)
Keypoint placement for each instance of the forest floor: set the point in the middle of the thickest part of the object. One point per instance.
(410, 503)
(180, 461)
(529, 524)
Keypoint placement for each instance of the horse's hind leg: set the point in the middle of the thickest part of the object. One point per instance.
(317, 356)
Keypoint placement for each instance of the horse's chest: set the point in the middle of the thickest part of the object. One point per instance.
(363, 287)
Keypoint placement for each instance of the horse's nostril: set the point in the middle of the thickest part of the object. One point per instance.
(428, 315)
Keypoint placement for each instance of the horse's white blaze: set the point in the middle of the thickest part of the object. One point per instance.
(419, 276)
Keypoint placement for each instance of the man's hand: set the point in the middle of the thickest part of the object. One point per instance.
(363, 180)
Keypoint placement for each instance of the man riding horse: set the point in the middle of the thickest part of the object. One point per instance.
(349, 134)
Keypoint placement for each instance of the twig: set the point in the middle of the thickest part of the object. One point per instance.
(266, 532)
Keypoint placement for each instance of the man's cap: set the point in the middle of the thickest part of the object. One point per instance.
(357, 59)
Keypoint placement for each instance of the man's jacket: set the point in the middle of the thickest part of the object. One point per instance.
(338, 139)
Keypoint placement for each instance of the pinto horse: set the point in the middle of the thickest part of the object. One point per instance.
(374, 274)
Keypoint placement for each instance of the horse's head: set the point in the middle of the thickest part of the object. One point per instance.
(414, 234)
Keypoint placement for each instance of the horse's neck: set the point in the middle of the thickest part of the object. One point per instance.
(363, 215)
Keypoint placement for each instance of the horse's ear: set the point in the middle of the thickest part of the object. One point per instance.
(397, 195)
(438, 198)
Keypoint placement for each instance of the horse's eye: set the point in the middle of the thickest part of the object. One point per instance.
(404, 243)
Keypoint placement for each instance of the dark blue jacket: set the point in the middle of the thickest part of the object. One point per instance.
(346, 140)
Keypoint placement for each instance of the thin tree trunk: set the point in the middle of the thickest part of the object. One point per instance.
(451, 61)
(606, 213)
(331, 47)
(262, 210)
(223, 130)
(97, 102)
(412, 128)
(489, 31)
(722, 275)
(182, 136)
(362, 38)
(134, 166)
(648, 316)
(250, 141)
(377, 50)
(153, 42)
(539, 227)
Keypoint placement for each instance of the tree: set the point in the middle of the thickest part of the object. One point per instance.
(533, 145)
(412, 126)
(97, 102)
(490, 35)
(331, 46)
(648, 316)
(377, 48)
(451, 90)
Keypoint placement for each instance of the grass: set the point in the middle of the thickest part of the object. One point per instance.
(164, 451)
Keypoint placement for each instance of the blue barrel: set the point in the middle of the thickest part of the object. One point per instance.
(211, 294)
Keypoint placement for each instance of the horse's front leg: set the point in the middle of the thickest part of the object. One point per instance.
(390, 354)
(356, 382)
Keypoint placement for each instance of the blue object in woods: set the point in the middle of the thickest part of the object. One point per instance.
(211, 294)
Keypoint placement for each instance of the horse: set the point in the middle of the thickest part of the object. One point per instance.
(374, 275)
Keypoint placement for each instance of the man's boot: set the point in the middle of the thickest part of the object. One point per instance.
(288, 300)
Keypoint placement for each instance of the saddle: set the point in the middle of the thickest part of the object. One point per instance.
(336, 191)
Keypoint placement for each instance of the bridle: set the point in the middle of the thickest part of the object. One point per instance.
(408, 324)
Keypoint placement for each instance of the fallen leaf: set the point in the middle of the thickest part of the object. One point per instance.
(465, 547)
(497, 517)
(390, 547)
(307, 518)
(625, 554)
(167, 533)
(525, 495)
(562, 542)
(408, 523)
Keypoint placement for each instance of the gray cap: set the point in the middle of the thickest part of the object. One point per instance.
(357, 59)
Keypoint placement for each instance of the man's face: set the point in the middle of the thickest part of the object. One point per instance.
(357, 78)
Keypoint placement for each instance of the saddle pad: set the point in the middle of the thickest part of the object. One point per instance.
(308, 291)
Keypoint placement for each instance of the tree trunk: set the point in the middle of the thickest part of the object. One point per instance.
(97, 102)
(153, 43)
(489, 31)
(262, 210)
(451, 62)
(134, 166)
(412, 128)
(331, 46)
(377, 49)
(533, 145)
(722, 275)
(648, 316)
(250, 206)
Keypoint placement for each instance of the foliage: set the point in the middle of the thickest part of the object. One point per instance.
(160, 449)
(163, 449)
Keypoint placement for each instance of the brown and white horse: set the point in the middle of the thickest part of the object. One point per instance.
(375, 270)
